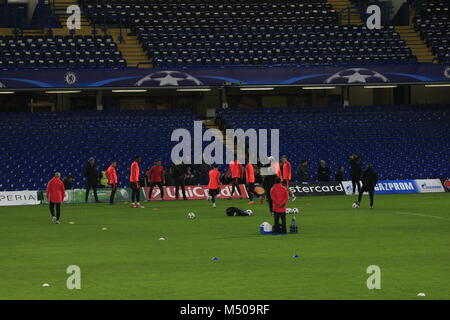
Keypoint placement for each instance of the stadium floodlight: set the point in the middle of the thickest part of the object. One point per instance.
(437, 85)
(318, 88)
(7, 92)
(257, 89)
(62, 91)
(381, 87)
(129, 90)
(194, 90)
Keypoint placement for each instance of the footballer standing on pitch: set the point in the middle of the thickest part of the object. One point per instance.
(214, 184)
(355, 171)
(156, 177)
(369, 181)
(280, 197)
(250, 180)
(91, 175)
(134, 183)
(179, 175)
(55, 195)
(286, 172)
(111, 175)
(236, 171)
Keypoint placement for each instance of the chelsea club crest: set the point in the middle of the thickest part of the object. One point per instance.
(70, 78)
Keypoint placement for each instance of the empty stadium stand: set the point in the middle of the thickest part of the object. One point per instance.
(35, 145)
(433, 23)
(409, 141)
(59, 52)
(213, 33)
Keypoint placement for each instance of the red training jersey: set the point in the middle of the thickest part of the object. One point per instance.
(236, 169)
(111, 175)
(287, 171)
(214, 179)
(250, 173)
(134, 172)
(156, 174)
(280, 197)
(55, 190)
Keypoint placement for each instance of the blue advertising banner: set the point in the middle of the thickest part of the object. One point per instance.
(312, 75)
(387, 187)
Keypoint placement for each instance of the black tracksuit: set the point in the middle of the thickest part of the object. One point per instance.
(355, 173)
(91, 175)
(268, 183)
(369, 181)
(179, 175)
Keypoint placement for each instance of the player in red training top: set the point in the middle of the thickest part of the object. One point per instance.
(111, 175)
(134, 183)
(236, 170)
(250, 180)
(156, 177)
(214, 184)
(286, 173)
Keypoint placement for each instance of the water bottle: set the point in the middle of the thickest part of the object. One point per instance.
(294, 227)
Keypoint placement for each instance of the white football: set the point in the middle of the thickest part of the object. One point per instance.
(295, 210)
(249, 212)
(191, 215)
(355, 205)
(288, 210)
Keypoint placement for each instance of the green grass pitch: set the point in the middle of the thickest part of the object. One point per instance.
(407, 236)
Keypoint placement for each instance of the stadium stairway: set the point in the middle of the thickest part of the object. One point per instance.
(131, 49)
(6, 31)
(211, 124)
(415, 43)
(339, 5)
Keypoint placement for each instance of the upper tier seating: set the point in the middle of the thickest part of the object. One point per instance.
(401, 141)
(214, 33)
(33, 146)
(433, 23)
(59, 52)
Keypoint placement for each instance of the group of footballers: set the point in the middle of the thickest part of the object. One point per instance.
(275, 184)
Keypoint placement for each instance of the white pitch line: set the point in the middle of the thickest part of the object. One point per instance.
(421, 215)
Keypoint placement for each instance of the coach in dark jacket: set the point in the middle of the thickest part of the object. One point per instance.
(303, 172)
(369, 181)
(323, 172)
(91, 176)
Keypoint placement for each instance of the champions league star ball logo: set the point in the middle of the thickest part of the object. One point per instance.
(447, 72)
(70, 78)
(357, 75)
(168, 78)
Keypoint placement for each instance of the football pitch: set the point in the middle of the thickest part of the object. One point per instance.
(121, 256)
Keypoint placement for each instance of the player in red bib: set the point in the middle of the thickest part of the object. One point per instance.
(156, 177)
(134, 183)
(214, 184)
(111, 175)
(236, 170)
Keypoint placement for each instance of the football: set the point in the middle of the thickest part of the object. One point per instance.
(295, 211)
(191, 215)
(355, 205)
(289, 210)
(249, 212)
